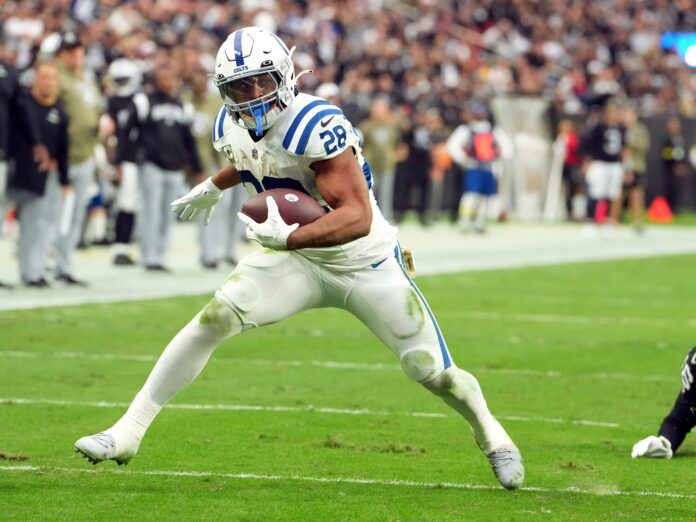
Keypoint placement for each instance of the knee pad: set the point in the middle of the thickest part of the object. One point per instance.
(421, 365)
(220, 318)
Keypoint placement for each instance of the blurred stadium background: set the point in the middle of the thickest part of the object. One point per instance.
(541, 71)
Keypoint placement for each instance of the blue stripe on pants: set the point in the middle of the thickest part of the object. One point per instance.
(443, 346)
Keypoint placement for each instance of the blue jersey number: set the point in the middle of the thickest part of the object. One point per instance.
(268, 183)
(333, 139)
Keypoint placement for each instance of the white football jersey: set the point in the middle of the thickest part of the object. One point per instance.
(310, 129)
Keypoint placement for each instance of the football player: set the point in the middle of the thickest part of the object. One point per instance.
(678, 423)
(125, 80)
(275, 137)
(603, 148)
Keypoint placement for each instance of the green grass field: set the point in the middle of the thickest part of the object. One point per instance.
(579, 361)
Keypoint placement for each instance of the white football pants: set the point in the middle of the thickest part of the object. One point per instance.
(269, 286)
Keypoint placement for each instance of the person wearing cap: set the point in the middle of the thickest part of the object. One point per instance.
(81, 99)
(221, 238)
(16, 115)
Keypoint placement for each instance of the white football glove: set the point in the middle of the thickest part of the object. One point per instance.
(272, 233)
(655, 447)
(203, 196)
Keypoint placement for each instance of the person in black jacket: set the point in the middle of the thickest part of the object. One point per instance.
(163, 124)
(15, 115)
(35, 192)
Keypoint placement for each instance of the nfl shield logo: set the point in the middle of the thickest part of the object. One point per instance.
(255, 154)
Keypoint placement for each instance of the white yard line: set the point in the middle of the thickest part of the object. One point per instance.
(337, 365)
(342, 480)
(294, 409)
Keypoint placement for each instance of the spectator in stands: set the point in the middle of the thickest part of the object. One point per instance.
(673, 154)
(381, 136)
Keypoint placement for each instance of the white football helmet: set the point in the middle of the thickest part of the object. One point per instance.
(256, 77)
(124, 76)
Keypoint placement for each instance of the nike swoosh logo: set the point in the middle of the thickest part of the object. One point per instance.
(326, 122)
(375, 265)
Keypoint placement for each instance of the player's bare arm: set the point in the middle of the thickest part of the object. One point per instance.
(342, 185)
(226, 177)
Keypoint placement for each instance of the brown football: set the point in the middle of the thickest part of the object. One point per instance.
(294, 206)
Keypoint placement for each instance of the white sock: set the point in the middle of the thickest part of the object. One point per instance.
(467, 208)
(482, 213)
(179, 365)
(138, 417)
(465, 396)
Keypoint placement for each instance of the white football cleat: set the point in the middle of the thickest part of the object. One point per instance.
(106, 446)
(506, 463)
(654, 447)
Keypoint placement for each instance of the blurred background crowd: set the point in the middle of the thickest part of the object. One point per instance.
(421, 79)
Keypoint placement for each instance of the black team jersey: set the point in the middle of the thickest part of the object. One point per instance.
(53, 130)
(604, 142)
(121, 109)
(164, 129)
(15, 110)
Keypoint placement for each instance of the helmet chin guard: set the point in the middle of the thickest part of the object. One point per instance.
(256, 78)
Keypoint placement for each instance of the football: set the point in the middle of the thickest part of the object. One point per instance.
(294, 206)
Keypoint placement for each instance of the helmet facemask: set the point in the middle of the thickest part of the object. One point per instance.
(124, 85)
(256, 101)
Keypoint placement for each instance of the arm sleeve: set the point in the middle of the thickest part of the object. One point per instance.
(585, 148)
(62, 153)
(25, 116)
(191, 148)
(456, 143)
(504, 143)
(125, 147)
